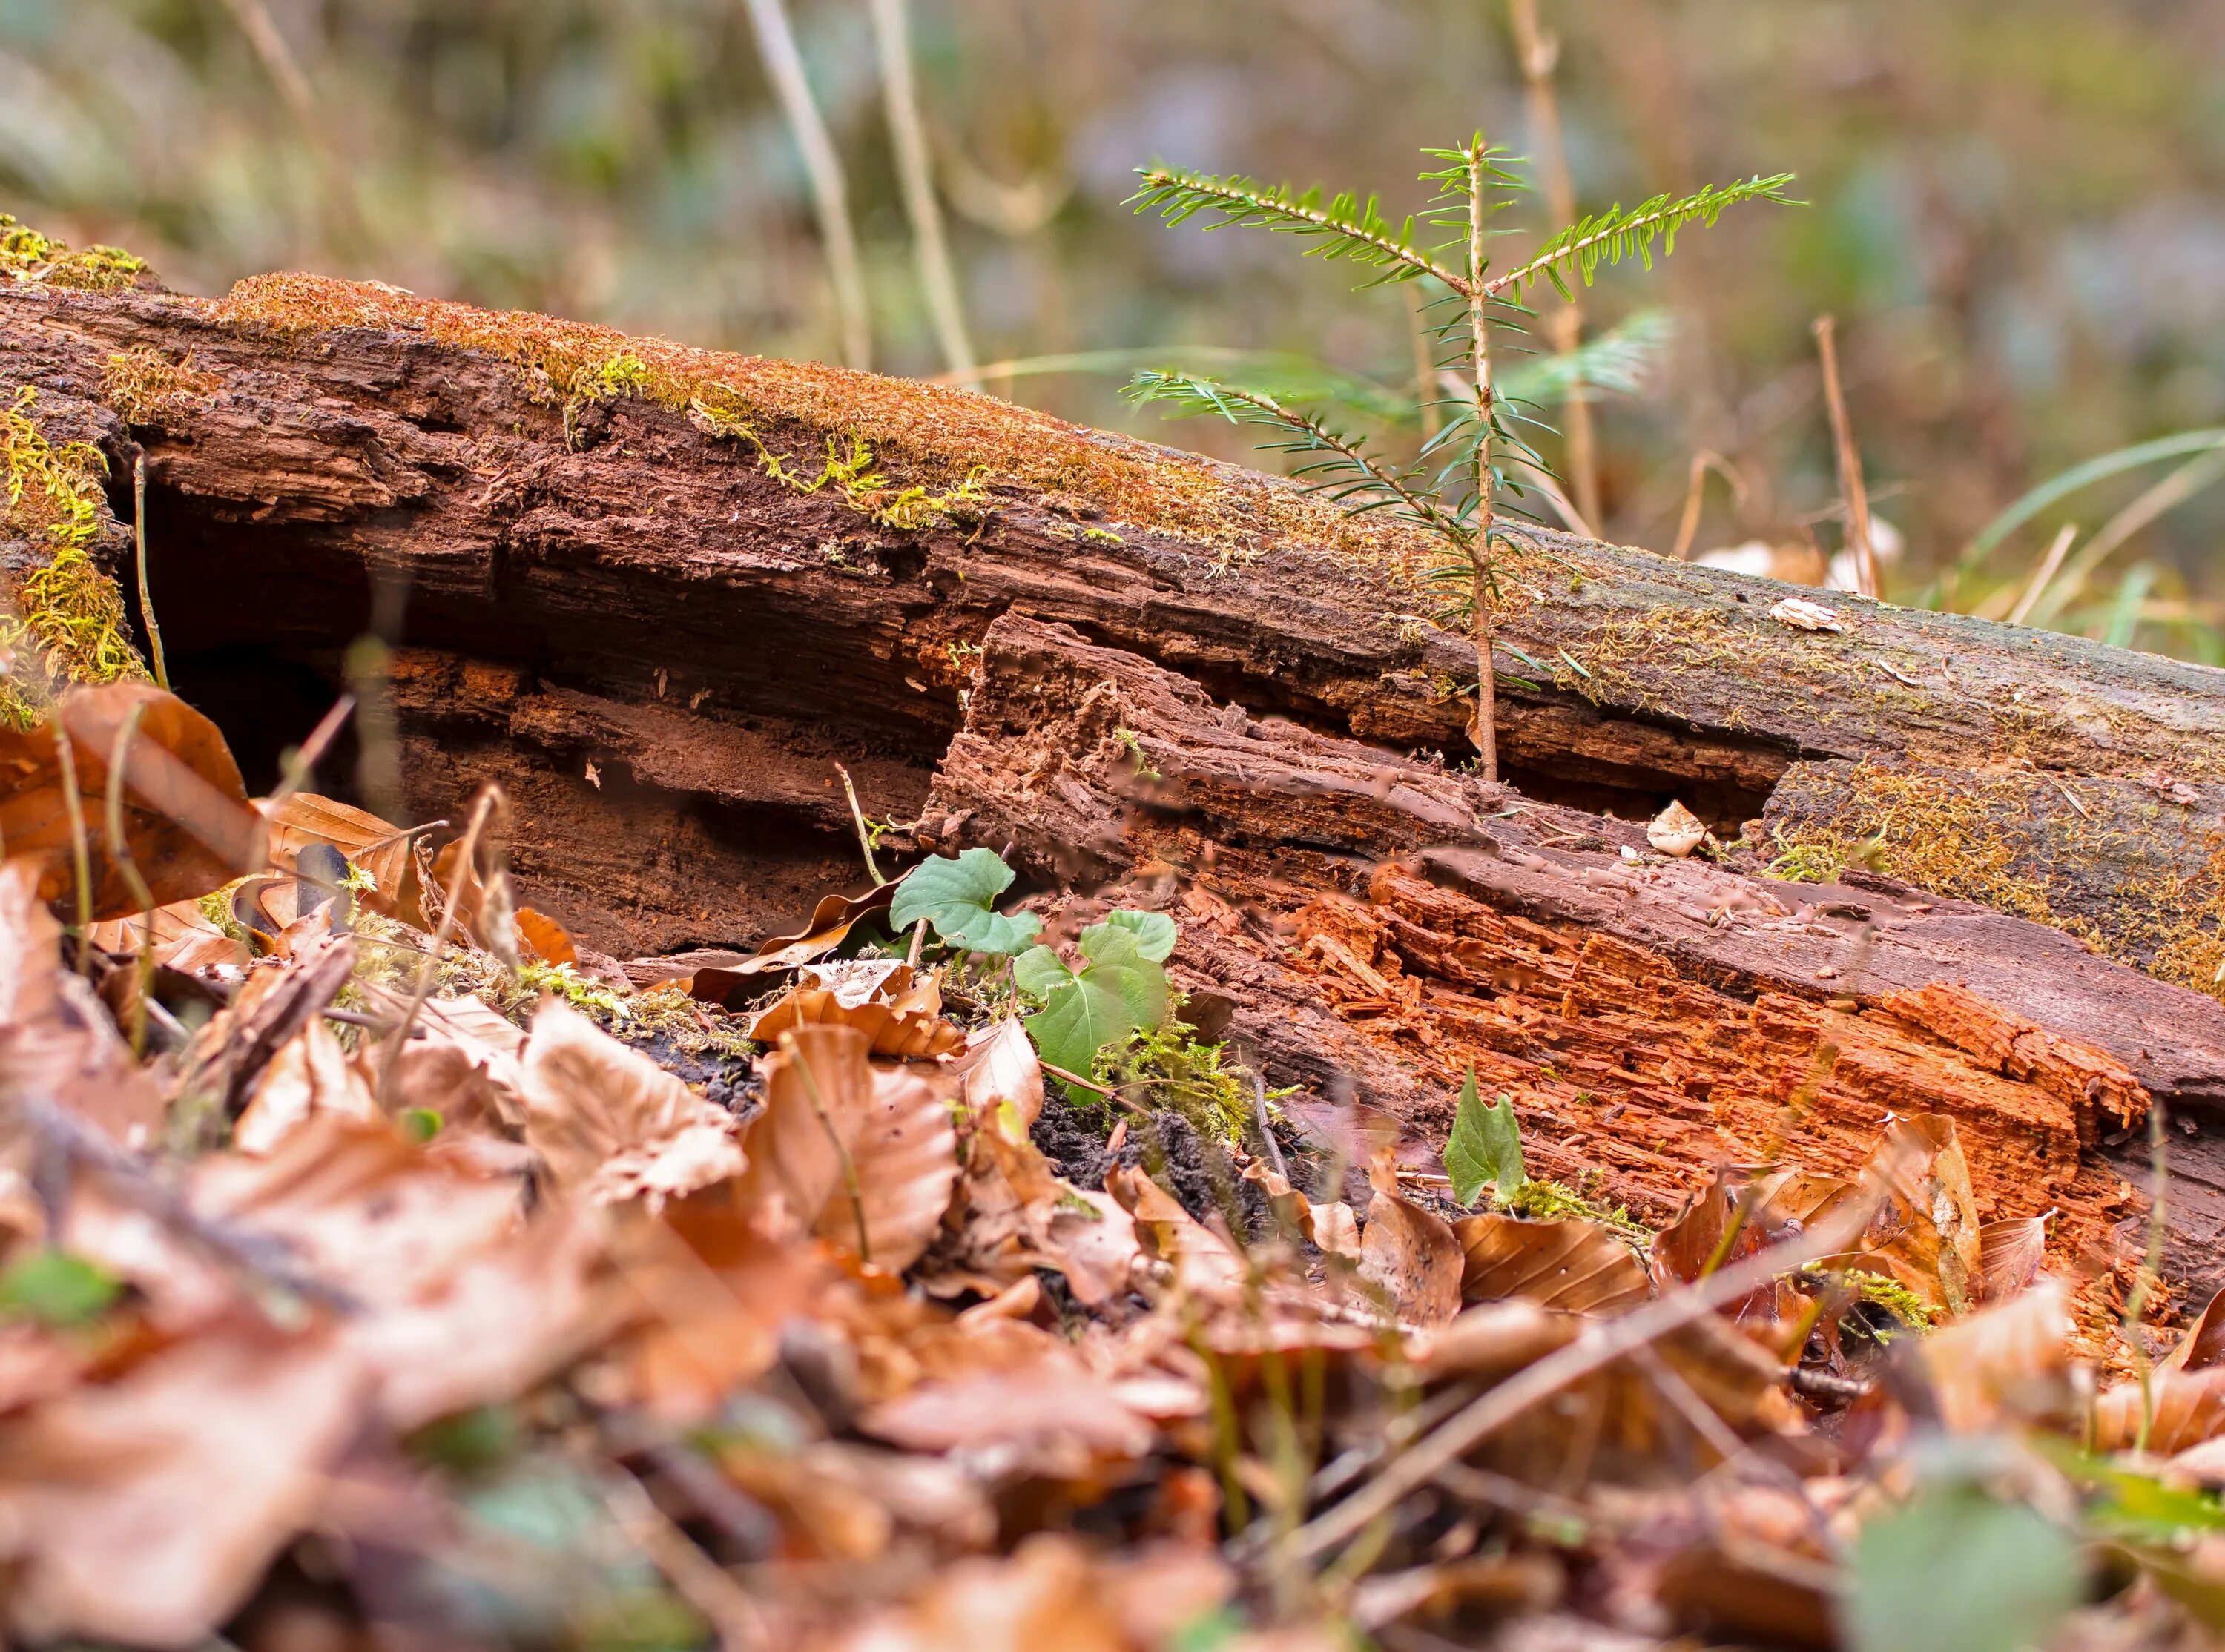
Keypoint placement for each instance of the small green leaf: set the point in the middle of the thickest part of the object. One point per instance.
(422, 1124)
(958, 896)
(1953, 1570)
(1485, 1146)
(1039, 972)
(1118, 961)
(1080, 1019)
(1156, 934)
(57, 1289)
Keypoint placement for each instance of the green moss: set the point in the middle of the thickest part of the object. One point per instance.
(947, 444)
(148, 387)
(69, 626)
(27, 256)
(1890, 1294)
(1550, 1201)
(1166, 1067)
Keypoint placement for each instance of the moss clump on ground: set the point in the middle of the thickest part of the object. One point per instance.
(1166, 1069)
(1550, 1201)
(27, 256)
(68, 626)
(147, 387)
(939, 437)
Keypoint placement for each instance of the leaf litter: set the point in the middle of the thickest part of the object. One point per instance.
(380, 1260)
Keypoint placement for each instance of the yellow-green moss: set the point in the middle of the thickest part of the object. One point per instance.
(148, 387)
(69, 619)
(1550, 1201)
(25, 255)
(1166, 1067)
(943, 440)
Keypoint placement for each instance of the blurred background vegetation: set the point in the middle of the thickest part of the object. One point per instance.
(2017, 216)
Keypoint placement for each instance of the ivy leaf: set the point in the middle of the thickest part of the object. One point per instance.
(1039, 971)
(1155, 932)
(958, 896)
(1485, 1146)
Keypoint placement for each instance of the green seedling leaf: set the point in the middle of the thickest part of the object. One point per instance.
(422, 1124)
(57, 1289)
(1117, 992)
(1039, 972)
(1955, 1570)
(1485, 1146)
(958, 896)
(1155, 932)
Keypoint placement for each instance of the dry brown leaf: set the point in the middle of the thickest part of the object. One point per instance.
(1925, 1231)
(2011, 1253)
(549, 940)
(462, 1065)
(1730, 1221)
(1577, 1265)
(905, 1155)
(1203, 1262)
(1413, 1256)
(185, 940)
(999, 1066)
(612, 1124)
(2011, 1361)
(384, 850)
(310, 1074)
(899, 1016)
(819, 1089)
(1050, 1415)
(1493, 1340)
(146, 1509)
(2185, 1405)
(56, 1042)
(187, 820)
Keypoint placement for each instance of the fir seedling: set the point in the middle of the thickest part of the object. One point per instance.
(1458, 487)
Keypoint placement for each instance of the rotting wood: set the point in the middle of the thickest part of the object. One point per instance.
(1378, 926)
(558, 507)
(617, 604)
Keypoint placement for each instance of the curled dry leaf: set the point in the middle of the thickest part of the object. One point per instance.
(1331, 1228)
(2011, 1253)
(1676, 831)
(1000, 1066)
(612, 1124)
(1410, 1255)
(1803, 615)
(462, 1064)
(866, 1159)
(547, 940)
(184, 939)
(1203, 1262)
(1925, 1231)
(56, 1040)
(379, 847)
(716, 976)
(310, 1074)
(899, 1016)
(2006, 1363)
(1575, 1265)
(1050, 1415)
(187, 820)
(2185, 1404)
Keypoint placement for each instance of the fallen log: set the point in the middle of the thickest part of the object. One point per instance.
(661, 592)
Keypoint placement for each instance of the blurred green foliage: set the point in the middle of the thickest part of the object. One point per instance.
(2019, 210)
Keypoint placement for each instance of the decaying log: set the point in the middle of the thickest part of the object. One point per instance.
(661, 593)
(1381, 926)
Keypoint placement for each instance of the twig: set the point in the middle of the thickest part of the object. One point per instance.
(119, 850)
(1540, 53)
(303, 759)
(1850, 460)
(858, 818)
(1696, 486)
(700, 1581)
(1479, 549)
(430, 968)
(1110, 1095)
(146, 598)
(792, 1048)
(2050, 565)
(2136, 1300)
(823, 168)
(81, 852)
(1266, 1129)
(260, 1255)
(285, 72)
(908, 137)
(1599, 1346)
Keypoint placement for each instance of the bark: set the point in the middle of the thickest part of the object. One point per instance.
(606, 594)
